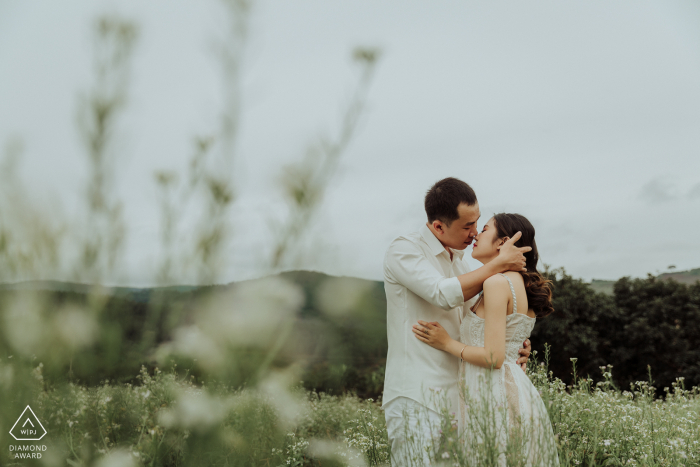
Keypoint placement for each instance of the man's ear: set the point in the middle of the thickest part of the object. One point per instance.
(438, 226)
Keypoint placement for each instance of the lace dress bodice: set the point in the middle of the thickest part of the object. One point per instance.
(518, 328)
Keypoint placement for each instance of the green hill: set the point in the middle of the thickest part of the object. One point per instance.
(684, 277)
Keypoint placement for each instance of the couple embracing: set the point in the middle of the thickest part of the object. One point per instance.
(458, 339)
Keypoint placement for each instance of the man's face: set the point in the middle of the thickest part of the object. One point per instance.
(460, 233)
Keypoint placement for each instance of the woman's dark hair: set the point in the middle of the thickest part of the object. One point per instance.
(538, 289)
(444, 197)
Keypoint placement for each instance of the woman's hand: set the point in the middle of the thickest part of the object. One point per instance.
(432, 334)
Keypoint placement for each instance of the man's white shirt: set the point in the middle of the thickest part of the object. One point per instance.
(421, 282)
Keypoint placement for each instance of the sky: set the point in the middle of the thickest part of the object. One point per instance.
(584, 117)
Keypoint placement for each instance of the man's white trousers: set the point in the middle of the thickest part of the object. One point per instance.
(412, 429)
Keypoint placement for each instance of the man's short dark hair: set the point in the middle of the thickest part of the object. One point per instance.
(445, 196)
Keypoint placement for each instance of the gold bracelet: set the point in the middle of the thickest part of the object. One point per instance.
(460, 353)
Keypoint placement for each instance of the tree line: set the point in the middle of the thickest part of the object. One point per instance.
(648, 322)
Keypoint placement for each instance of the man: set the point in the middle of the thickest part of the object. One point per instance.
(426, 278)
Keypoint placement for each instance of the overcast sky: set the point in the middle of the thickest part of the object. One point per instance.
(584, 117)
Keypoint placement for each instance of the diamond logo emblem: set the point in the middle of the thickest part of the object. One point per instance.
(28, 427)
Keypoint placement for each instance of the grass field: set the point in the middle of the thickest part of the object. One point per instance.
(167, 420)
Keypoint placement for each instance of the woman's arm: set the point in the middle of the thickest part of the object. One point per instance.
(492, 354)
(496, 296)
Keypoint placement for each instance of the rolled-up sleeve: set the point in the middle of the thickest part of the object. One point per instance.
(405, 264)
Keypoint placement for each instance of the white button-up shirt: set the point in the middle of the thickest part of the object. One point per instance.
(420, 281)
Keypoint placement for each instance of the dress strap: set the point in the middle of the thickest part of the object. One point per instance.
(512, 290)
(478, 301)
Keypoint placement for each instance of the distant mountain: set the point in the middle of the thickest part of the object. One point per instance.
(684, 277)
(308, 280)
(134, 294)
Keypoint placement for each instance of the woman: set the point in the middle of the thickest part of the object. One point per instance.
(502, 414)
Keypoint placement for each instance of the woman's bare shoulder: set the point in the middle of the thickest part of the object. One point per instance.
(515, 277)
(495, 283)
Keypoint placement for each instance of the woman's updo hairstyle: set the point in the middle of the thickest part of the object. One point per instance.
(538, 289)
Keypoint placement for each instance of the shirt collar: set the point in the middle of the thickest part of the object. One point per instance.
(434, 244)
(429, 237)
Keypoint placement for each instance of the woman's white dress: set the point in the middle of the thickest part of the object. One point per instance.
(502, 416)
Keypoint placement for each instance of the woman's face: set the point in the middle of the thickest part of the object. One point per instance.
(486, 245)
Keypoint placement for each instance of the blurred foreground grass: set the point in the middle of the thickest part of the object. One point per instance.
(68, 356)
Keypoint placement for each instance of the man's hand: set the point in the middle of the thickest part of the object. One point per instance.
(510, 257)
(525, 352)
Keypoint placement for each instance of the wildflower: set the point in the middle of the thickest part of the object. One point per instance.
(445, 455)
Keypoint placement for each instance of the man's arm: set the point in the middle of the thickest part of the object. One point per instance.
(472, 282)
(510, 258)
(405, 264)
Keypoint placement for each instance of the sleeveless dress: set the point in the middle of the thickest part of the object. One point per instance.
(502, 417)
